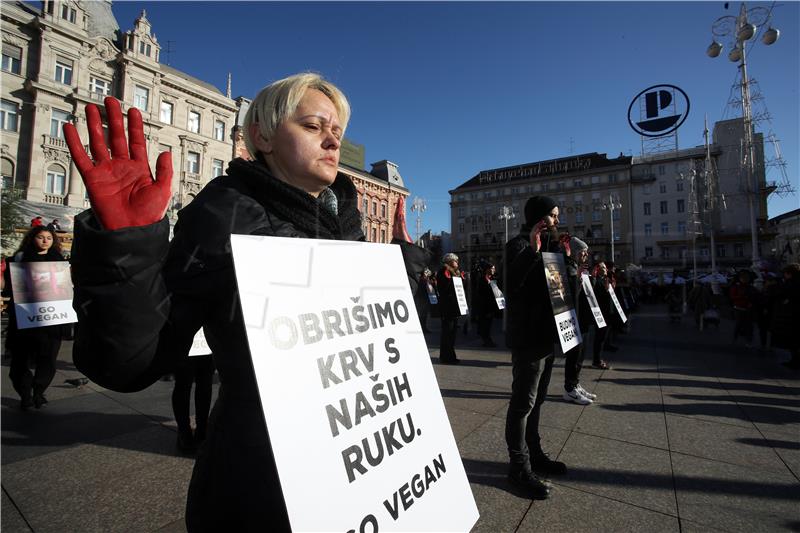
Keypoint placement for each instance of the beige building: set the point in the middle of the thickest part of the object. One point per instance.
(69, 54)
(584, 186)
(786, 246)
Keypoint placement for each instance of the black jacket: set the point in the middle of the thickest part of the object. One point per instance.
(531, 327)
(448, 302)
(140, 299)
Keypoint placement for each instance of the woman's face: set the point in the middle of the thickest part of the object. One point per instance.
(43, 241)
(304, 150)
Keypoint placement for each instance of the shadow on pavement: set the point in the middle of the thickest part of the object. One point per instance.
(474, 363)
(759, 388)
(770, 443)
(475, 394)
(753, 413)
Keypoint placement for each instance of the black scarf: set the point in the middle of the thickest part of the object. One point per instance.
(295, 205)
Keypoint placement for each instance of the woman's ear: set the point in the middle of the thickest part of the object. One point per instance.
(259, 141)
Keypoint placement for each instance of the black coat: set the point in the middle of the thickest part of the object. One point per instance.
(140, 299)
(448, 302)
(531, 326)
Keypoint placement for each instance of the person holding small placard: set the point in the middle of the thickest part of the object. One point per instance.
(37, 345)
(452, 305)
(531, 335)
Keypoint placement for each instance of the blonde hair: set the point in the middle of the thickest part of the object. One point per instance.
(279, 100)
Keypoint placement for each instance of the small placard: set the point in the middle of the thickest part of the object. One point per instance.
(586, 285)
(42, 293)
(616, 304)
(432, 297)
(461, 296)
(555, 273)
(498, 295)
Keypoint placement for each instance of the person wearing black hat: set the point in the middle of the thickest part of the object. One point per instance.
(530, 335)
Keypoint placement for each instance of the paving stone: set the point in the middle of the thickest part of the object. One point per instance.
(630, 473)
(11, 520)
(721, 442)
(464, 422)
(569, 510)
(646, 428)
(735, 498)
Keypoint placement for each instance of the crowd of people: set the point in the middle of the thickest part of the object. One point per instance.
(141, 297)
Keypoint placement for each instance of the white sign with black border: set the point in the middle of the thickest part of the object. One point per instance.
(461, 296)
(569, 334)
(616, 303)
(498, 295)
(586, 285)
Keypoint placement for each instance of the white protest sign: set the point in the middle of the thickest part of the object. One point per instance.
(555, 273)
(461, 296)
(357, 424)
(432, 298)
(199, 344)
(42, 293)
(616, 303)
(586, 284)
(498, 294)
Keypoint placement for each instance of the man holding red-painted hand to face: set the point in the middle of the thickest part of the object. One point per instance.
(531, 335)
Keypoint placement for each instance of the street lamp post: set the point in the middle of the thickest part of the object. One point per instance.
(611, 206)
(418, 206)
(507, 213)
(743, 28)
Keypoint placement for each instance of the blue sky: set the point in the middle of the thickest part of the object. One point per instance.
(448, 89)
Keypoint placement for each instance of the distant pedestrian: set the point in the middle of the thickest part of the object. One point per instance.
(36, 222)
(484, 306)
(786, 315)
(54, 225)
(449, 308)
(422, 298)
(742, 297)
(32, 346)
(601, 285)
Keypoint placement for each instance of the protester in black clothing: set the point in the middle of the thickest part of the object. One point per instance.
(197, 369)
(140, 298)
(38, 346)
(422, 298)
(576, 264)
(531, 335)
(448, 307)
(786, 315)
(485, 303)
(601, 284)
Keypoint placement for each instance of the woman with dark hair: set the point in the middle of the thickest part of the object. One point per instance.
(32, 345)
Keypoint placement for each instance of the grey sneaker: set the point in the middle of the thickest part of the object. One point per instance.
(586, 393)
(576, 397)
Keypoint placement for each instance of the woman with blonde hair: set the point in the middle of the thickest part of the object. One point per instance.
(141, 298)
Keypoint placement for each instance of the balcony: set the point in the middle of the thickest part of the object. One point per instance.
(54, 199)
(54, 142)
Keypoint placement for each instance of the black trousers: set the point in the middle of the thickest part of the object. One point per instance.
(38, 346)
(447, 351)
(599, 340)
(573, 365)
(200, 371)
(485, 327)
(531, 377)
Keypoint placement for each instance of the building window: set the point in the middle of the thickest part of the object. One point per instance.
(56, 181)
(664, 209)
(68, 13)
(63, 72)
(166, 112)
(9, 116)
(6, 173)
(461, 211)
(194, 121)
(661, 171)
(144, 48)
(595, 180)
(577, 183)
(597, 232)
(704, 251)
(374, 233)
(679, 186)
(57, 121)
(682, 252)
(461, 227)
(616, 214)
(681, 228)
(681, 206)
(720, 250)
(219, 130)
(98, 88)
(596, 216)
(374, 208)
(738, 250)
(141, 97)
(665, 228)
(217, 167)
(383, 235)
(648, 251)
(562, 219)
(616, 235)
(665, 253)
(662, 187)
(193, 163)
(648, 230)
(579, 218)
(12, 58)
(647, 208)
(474, 225)
(612, 178)
(383, 210)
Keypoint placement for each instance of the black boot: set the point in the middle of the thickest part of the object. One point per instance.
(526, 480)
(543, 465)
